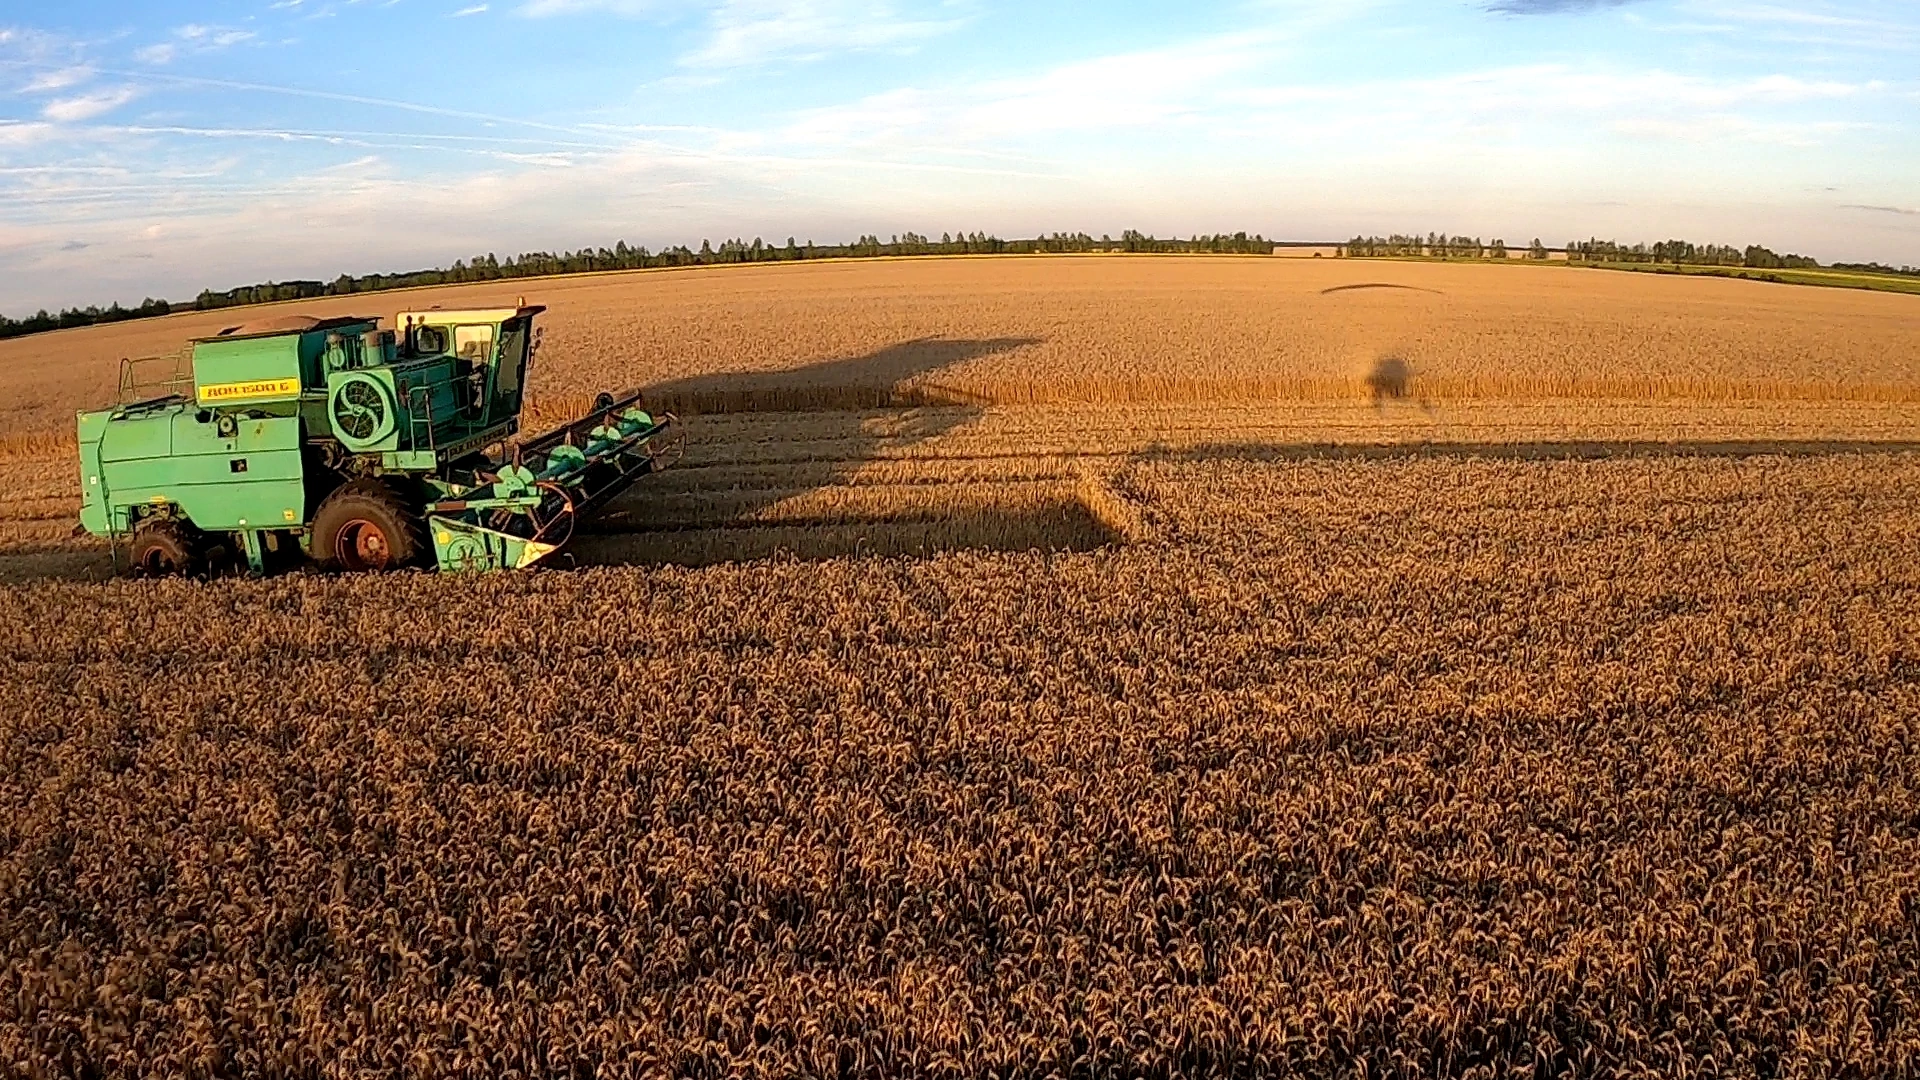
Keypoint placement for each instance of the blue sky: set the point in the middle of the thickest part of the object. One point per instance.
(161, 147)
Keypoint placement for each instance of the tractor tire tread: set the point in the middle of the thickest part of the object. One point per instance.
(182, 547)
(382, 502)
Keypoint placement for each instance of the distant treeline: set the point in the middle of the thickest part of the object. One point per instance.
(625, 257)
(1683, 253)
(1675, 252)
(1436, 246)
(1877, 268)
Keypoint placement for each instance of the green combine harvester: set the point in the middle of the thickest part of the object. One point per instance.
(357, 447)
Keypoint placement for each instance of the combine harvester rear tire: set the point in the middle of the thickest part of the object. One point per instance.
(163, 547)
(366, 525)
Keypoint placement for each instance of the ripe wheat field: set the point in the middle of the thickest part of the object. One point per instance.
(1035, 667)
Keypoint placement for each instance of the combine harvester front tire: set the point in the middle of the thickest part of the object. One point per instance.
(365, 525)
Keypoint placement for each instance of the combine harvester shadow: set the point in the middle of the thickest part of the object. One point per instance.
(757, 439)
(1366, 285)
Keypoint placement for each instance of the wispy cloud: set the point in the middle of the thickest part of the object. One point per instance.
(1550, 7)
(740, 33)
(755, 31)
(541, 8)
(1710, 128)
(213, 37)
(1901, 210)
(19, 133)
(1237, 86)
(176, 79)
(1138, 89)
(87, 106)
(1803, 25)
(59, 79)
(1800, 16)
(477, 9)
(196, 38)
(1533, 91)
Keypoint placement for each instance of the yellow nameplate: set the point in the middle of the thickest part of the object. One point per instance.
(217, 393)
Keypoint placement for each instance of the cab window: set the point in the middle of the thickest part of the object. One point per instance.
(473, 343)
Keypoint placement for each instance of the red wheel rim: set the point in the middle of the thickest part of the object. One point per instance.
(360, 545)
(155, 562)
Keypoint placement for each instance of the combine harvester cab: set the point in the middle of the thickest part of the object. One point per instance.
(367, 449)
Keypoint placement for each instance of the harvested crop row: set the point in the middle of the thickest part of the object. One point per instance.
(1411, 767)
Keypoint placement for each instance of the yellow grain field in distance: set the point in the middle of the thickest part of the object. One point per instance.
(1119, 330)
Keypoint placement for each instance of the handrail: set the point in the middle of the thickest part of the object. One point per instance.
(419, 406)
(424, 394)
(132, 389)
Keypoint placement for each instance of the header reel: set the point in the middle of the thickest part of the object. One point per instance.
(524, 509)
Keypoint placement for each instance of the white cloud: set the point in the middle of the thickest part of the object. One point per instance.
(196, 38)
(1152, 87)
(1724, 128)
(1533, 106)
(541, 8)
(1784, 24)
(545, 161)
(1776, 13)
(476, 9)
(23, 133)
(212, 37)
(746, 32)
(87, 106)
(740, 33)
(59, 79)
(1551, 88)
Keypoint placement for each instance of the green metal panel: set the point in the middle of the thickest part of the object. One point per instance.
(138, 436)
(93, 497)
(463, 545)
(411, 406)
(252, 371)
(252, 478)
(428, 394)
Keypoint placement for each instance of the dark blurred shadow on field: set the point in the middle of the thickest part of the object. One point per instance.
(1570, 450)
(1065, 524)
(26, 563)
(1365, 285)
(761, 437)
(1391, 379)
(898, 376)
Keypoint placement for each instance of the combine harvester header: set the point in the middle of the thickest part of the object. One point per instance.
(366, 449)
